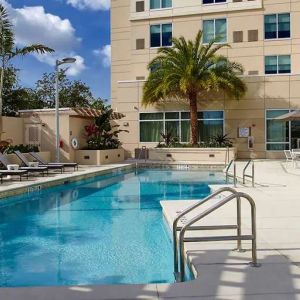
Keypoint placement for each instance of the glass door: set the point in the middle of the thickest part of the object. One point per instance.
(295, 134)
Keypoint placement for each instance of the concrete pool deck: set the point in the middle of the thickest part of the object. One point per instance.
(222, 273)
(13, 187)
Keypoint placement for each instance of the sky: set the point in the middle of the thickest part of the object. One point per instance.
(77, 28)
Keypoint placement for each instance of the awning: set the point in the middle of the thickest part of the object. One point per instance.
(92, 113)
(88, 113)
(291, 116)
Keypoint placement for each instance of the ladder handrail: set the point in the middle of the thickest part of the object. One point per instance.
(234, 172)
(144, 150)
(250, 176)
(239, 237)
(189, 209)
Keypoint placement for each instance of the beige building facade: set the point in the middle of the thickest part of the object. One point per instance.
(264, 36)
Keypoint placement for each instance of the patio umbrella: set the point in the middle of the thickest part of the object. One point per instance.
(291, 116)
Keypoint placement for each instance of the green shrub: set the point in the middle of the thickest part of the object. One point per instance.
(22, 148)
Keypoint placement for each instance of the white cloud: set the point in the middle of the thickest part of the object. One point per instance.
(33, 25)
(90, 4)
(104, 54)
(72, 69)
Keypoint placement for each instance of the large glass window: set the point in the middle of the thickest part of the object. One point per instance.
(277, 26)
(277, 131)
(152, 125)
(278, 64)
(216, 28)
(158, 4)
(161, 35)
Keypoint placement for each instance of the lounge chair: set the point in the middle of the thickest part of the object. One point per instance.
(19, 173)
(5, 162)
(37, 157)
(26, 163)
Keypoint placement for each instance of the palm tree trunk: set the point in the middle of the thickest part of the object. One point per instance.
(1, 90)
(1, 101)
(194, 118)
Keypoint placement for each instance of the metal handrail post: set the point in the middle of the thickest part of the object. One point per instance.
(234, 174)
(186, 211)
(253, 181)
(252, 176)
(239, 223)
(227, 170)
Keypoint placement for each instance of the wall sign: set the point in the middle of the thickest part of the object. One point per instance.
(244, 132)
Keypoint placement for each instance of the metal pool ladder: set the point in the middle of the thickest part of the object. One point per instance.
(143, 150)
(250, 162)
(232, 175)
(179, 239)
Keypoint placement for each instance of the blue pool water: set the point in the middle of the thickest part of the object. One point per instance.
(107, 230)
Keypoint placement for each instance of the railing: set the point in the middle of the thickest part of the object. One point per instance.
(228, 175)
(250, 162)
(178, 242)
(227, 156)
(143, 150)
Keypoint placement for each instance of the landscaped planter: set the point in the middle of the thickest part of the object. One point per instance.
(206, 155)
(99, 157)
(15, 160)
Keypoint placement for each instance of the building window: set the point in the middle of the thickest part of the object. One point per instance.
(158, 4)
(216, 28)
(213, 1)
(277, 131)
(277, 26)
(160, 35)
(210, 123)
(278, 64)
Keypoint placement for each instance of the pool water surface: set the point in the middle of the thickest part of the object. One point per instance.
(108, 230)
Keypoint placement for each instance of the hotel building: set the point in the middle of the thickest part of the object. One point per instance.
(264, 36)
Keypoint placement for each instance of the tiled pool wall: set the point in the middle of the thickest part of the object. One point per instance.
(77, 177)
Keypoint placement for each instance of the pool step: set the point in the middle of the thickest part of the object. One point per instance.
(218, 238)
(221, 227)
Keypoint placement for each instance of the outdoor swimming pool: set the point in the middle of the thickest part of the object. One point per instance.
(108, 230)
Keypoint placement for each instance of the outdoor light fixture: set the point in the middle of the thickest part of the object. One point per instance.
(66, 60)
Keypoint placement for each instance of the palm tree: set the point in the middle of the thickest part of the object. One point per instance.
(8, 49)
(189, 70)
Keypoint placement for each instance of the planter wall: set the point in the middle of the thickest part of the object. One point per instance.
(206, 155)
(99, 157)
(15, 160)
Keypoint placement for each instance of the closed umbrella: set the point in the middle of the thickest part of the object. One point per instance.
(291, 116)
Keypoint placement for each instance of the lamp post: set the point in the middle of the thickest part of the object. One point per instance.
(67, 60)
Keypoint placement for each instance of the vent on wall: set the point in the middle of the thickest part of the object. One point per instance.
(252, 35)
(140, 78)
(140, 44)
(252, 73)
(238, 36)
(140, 6)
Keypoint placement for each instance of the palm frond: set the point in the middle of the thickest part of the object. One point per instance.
(191, 67)
(35, 48)
(6, 32)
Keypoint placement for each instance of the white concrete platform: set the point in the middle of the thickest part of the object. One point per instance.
(222, 273)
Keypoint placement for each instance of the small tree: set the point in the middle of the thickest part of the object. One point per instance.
(71, 93)
(191, 69)
(102, 134)
(8, 49)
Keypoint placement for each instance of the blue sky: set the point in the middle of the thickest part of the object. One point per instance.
(79, 28)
